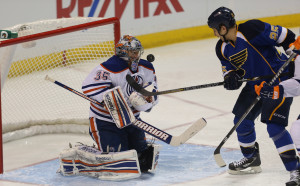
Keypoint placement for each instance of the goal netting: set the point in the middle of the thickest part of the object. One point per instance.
(64, 49)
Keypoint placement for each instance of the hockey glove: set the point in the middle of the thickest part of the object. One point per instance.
(232, 81)
(269, 92)
(294, 47)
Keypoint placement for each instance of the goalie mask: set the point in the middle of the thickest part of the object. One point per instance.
(130, 49)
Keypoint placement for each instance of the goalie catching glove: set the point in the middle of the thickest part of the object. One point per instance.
(144, 103)
(269, 92)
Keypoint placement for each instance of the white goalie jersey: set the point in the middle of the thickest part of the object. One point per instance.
(110, 74)
(292, 86)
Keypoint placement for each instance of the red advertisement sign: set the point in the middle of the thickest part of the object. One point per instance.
(141, 8)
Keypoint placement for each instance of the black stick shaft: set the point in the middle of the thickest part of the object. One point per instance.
(141, 90)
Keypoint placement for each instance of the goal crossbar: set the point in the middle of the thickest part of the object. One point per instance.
(69, 29)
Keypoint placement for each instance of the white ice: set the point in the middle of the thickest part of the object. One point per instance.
(177, 65)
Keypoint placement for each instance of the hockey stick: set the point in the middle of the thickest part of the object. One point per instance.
(146, 127)
(217, 154)
(144, 92)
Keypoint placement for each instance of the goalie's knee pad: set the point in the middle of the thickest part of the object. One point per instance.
(148, 159)
(88, 161)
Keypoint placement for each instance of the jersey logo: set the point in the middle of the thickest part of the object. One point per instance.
(138, 79)
(239, 59)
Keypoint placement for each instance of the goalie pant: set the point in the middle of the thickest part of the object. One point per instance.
(88, 161)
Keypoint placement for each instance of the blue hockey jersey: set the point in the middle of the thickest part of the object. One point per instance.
(254, 53)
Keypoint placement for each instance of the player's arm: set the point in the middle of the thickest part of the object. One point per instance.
(231, 74)
(291, 86)
(265, 34)
(287, 88)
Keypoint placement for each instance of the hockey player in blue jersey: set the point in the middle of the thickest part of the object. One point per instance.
(249, 50)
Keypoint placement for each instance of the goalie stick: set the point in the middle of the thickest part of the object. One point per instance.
(144, 92)
(146, 127)
(217, 154)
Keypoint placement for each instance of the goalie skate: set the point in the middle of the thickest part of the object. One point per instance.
(246, 165)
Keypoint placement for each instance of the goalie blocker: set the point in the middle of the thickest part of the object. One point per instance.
(88, 161)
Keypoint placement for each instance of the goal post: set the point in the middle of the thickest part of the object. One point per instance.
(66, 49)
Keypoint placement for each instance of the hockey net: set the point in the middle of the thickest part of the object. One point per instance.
(64, 49)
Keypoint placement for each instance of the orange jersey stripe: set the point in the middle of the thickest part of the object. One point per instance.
(94, 106)
(91, 90)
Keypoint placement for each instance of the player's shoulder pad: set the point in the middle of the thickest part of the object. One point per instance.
(146, 64)
(115, 64)
(219, 51)
(252, 28)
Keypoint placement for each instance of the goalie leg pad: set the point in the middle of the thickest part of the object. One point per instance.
(118, 107)
(88, 161)
(149, 158)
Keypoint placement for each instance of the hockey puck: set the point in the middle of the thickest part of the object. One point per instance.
(150, 58)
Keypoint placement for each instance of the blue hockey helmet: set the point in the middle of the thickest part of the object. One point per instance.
(221, 17)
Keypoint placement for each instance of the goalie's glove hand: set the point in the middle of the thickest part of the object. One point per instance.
(294, 47)
(232, 81)
(144, 103)
(269, 92)
(140, 102)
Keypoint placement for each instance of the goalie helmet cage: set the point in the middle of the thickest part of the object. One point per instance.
(66, 49)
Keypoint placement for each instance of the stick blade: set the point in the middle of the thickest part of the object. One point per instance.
(218, 158)
(188, 133)
(49, 79)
